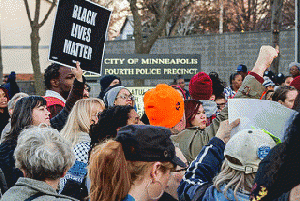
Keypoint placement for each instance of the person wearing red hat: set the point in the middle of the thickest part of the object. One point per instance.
(296, 83)
(201, 88)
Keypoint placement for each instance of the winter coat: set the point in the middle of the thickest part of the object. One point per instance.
(26, 187)
(197, 181)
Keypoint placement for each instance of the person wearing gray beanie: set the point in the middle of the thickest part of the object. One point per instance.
(118, 95)
(294, 68)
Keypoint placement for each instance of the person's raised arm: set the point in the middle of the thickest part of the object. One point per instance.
(76, 93)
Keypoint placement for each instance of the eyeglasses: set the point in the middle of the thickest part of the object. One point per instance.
(131, 97)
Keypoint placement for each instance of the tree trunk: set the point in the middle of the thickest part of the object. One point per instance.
(35, 60)
(35, 40)
(276, 8)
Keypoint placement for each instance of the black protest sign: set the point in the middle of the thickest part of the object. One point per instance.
(79, 34)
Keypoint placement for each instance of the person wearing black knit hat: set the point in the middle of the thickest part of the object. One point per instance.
(107, 81)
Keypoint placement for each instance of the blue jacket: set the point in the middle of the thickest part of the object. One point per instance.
(197, 181)
(128, 198)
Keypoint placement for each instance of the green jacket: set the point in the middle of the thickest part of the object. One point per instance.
(191, 140)
(26, 187)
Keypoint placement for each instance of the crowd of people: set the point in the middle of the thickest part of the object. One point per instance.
(67, 145)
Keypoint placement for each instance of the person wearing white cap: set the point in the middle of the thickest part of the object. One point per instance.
(226, 172)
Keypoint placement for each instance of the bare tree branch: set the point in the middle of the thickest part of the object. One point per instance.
(48, 13)
(162, 22)
(137, 32)
(48, 1)
(28, 11)
(37, 13)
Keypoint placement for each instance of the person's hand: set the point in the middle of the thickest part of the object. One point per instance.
(78, 72)
(225, 129)
(265, 57)
(295, 193)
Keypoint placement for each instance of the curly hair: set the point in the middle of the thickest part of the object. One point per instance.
(51, 72)
(109, 121)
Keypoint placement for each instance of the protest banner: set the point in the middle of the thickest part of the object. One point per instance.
(138, 93)
(260, 114)
(79, 34)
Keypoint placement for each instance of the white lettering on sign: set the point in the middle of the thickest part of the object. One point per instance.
(77, 49)
(118, 71)
(81, 32)
(168, 61)
(180, 71)
(114, 61)
(84, 15)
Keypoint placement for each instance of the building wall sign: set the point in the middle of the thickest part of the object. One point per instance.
(151, 66)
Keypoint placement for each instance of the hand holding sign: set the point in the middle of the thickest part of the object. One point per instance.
(225, 128)
(78, 72)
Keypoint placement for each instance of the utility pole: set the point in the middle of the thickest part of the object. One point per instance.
(221, 17)
(276, 8)
(297, 31)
